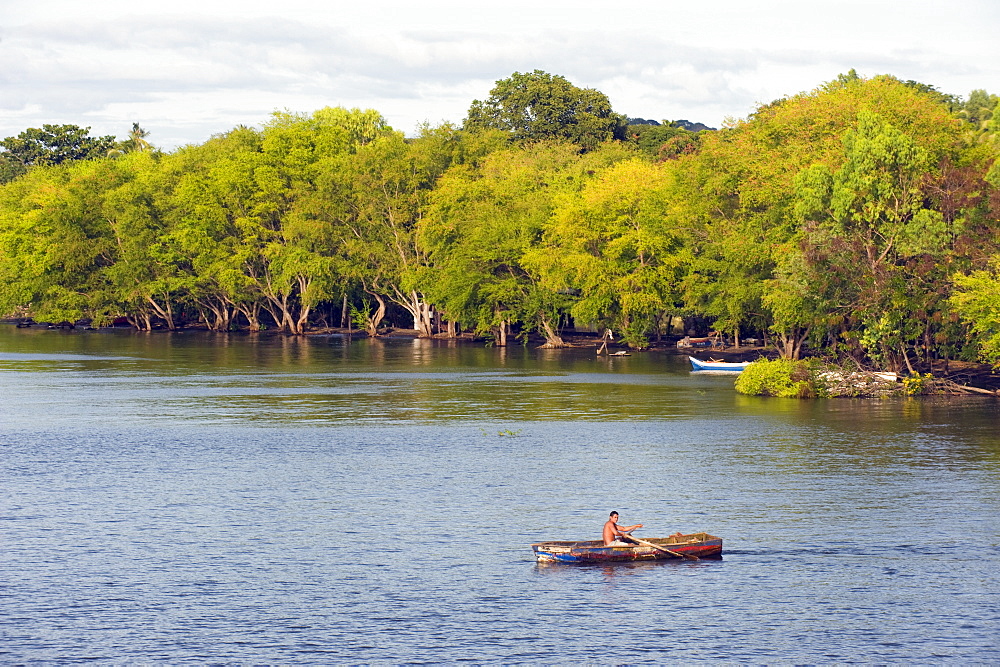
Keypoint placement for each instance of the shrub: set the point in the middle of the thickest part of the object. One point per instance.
(918, 384)
(781, 377)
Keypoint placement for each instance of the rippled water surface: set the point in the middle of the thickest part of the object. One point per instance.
(210, 498)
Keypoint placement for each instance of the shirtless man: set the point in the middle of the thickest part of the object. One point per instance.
(612, 531)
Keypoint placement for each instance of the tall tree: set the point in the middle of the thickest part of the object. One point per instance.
(875, 212)
(209, 197)
(482, 221)
(136, 142)
(55, 241)
(742, 193)
(534, 106)
(49, 145)
(614, 245)
(298, 220)
(151, 276)
(386, 185)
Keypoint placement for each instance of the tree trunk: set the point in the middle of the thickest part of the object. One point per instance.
(303, 318)
(373, 320)
(552, 339)
(790, 343)
(797, 352)
(222, 314)
(502, 332)
(424, 323)
(252, 312)
(299, 323)
(784, 346)
(906, 358)
(141, 320)
(420, 310)
(165, 312)
(280, 309)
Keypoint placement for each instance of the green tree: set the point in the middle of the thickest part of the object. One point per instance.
(56, 243)
(981, 120)
(978, 109)
(49, 145)
(875, 210)
(10, 167)
(535, 106)
(977, 300)
(386, 185)
(665, 141)
(613, 245)
(298, 222)
(482, 220)
(751, 237)
(136, 142)
(208, 197)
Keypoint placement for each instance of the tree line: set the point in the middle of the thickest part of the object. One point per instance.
(861, 218)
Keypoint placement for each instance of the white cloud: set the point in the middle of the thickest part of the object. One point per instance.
(201, 67)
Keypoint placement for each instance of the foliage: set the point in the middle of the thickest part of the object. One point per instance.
(861, 219)
(612, 245)
(780, 377)
(814, 209)
(481, 223)
(136, 142)
(917, 384)
(977, 300)
(534, 106)
(664, 142)
(50, 145)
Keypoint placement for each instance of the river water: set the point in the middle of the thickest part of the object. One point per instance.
(188, 497)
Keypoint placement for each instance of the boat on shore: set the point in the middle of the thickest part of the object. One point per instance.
(705, 341)
(727, 366)
(694, 545)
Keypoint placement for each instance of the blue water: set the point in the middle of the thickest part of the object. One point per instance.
(199, 498)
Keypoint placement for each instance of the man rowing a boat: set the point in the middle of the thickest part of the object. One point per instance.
(612, 531)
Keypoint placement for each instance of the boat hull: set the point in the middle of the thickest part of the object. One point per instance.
(732, 367)
(701, 545)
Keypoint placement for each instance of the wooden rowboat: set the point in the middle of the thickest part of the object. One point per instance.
(701, 545)
(729, 366)
(707, 341)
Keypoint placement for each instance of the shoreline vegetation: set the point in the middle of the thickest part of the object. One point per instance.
(768, 375)
(857, 223)
(817, 378)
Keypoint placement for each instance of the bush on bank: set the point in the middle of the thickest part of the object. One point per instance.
(815, 378)
(780, 377)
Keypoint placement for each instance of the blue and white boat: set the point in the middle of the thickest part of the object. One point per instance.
(724, 366)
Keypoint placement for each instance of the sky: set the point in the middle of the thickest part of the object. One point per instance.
(188, 69)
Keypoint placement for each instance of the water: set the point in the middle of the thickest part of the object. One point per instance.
(199, 498)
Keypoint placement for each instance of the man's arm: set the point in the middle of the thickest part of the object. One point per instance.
(628, 529)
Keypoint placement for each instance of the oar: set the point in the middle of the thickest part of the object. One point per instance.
(657, 546)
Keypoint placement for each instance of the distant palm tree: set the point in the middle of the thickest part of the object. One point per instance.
(136, 142)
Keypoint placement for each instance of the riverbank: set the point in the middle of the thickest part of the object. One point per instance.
(949, 376)
(814, 378)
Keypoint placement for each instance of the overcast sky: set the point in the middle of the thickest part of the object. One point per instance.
(188, 69)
